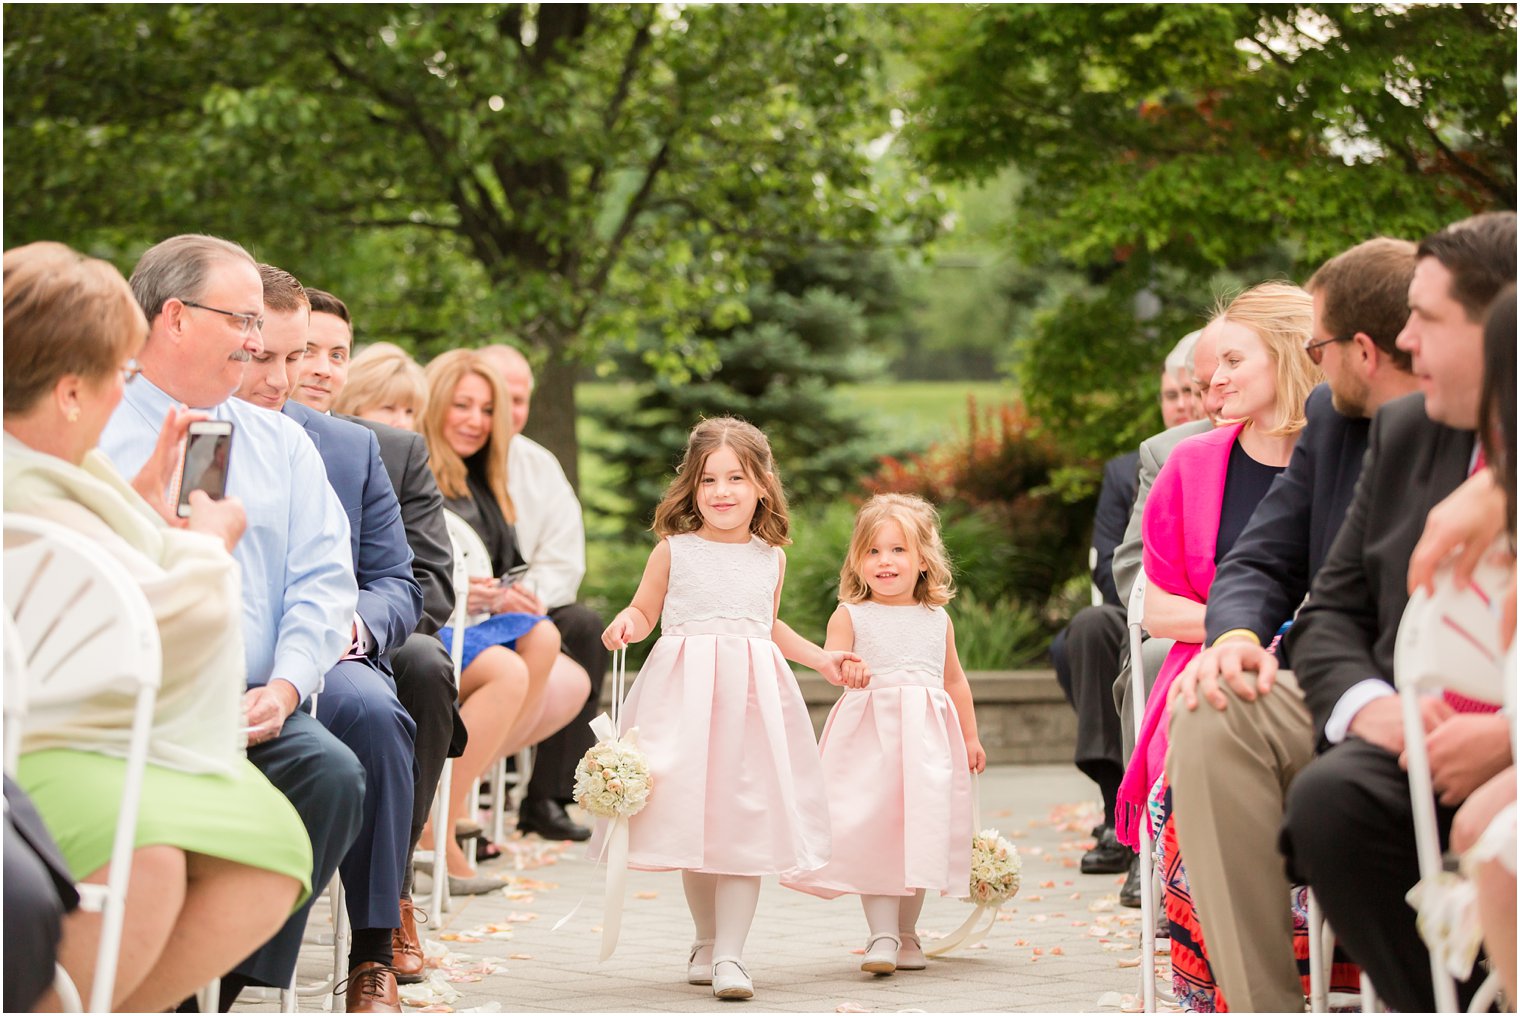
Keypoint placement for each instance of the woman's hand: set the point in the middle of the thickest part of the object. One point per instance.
(1460, 529)
(224, 519)
(153, 480)
(975, 755)
(483, 593)
(514, 599)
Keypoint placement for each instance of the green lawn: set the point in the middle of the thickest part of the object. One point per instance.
(905, 413)
(919, 412)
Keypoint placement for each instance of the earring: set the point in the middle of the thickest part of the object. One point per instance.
(72, 415)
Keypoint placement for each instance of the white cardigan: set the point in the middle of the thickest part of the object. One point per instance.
(192, 585)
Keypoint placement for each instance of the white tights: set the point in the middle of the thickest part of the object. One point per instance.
(722, 907)
(893, 915)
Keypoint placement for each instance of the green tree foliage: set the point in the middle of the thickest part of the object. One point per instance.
(803, 334)
(1185, 148)
(576, 175)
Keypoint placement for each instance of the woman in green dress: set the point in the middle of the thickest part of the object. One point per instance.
(221, 856)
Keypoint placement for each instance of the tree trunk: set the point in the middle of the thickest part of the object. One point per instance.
(552, 421)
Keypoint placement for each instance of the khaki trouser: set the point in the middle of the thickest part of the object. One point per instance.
(1229, 773)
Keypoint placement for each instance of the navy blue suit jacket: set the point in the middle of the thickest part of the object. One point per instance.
(1116, 499)
(390, 600)
(1267, 573)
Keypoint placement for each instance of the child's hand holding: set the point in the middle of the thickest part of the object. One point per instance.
(976, 755)
(854, 675)
(620, 632)
(832, 668)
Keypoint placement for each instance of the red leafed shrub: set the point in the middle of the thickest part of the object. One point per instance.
(1009, 530)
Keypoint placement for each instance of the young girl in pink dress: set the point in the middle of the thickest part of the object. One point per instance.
(737, 791)
(900, 744)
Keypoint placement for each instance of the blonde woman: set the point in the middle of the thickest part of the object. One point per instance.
(384, 385)
(516, 688)
(1200, 504)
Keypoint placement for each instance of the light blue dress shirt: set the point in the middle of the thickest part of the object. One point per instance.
(299, 593)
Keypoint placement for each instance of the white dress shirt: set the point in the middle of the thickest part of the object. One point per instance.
(551, 535)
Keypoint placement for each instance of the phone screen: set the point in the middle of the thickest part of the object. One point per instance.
(514, 575)
(206, 458)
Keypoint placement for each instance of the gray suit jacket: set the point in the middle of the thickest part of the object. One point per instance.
(1153, 453)
(405, 457)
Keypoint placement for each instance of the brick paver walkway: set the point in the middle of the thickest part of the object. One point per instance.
(1062, 945)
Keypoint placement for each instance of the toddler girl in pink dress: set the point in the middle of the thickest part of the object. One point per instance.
(900, 744)
(737, 792)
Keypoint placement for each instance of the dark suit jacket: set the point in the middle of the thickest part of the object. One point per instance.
(1265, 576)
(1345, 634)
(1121, 478)
(406, 460)
(390, 601)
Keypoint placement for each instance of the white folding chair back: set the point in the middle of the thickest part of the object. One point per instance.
(1450, 640)
(86, 629)
(15, 694)
(471, 557)
(1137, 696)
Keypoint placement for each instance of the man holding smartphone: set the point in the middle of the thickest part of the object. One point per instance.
(203, 298)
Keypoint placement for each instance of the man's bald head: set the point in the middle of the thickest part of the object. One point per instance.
(517, 374)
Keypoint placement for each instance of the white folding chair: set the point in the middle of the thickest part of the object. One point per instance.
(1137, 697)
(472, 558)
(84, 628)
(1450, 641)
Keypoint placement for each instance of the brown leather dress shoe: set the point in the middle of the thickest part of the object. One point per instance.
(372, 988)
(406, 947)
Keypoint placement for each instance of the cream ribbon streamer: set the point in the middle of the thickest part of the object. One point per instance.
(615, 850)
(972, 929)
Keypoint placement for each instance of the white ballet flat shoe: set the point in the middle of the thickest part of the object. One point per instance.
(881, 954)
(730, 979)
(910, 954)
(699, 973)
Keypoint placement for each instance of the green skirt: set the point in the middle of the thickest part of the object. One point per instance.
(240, 818)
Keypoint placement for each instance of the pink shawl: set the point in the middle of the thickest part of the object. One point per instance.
(1179, 531)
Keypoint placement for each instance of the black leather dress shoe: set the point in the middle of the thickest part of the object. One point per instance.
(549, 820)
(1108, 856)
(1129, 895)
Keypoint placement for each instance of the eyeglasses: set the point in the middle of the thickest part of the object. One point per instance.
(248, 322)
(1316, 350)
(129, 372)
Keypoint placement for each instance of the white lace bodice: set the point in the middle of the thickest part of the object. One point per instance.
(901, 645)
(720, 582)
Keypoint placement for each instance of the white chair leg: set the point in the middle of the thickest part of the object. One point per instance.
(1427, 839)
(441, 833)
(209, 998)
(1320, 945)
(68, 995)
(1370, 1001)
(1486, 996)
(499, 798)
(289, 1002)
(524, 774)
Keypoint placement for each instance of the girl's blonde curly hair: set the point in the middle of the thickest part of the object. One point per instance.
(920, 525)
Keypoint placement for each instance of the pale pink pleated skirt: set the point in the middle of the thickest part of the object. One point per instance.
(738, 787)
(899, 791)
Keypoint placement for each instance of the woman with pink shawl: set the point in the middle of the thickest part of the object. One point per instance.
(1200, 503)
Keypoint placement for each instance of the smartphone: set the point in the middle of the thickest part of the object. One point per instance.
(514, 574)
(208, 450)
